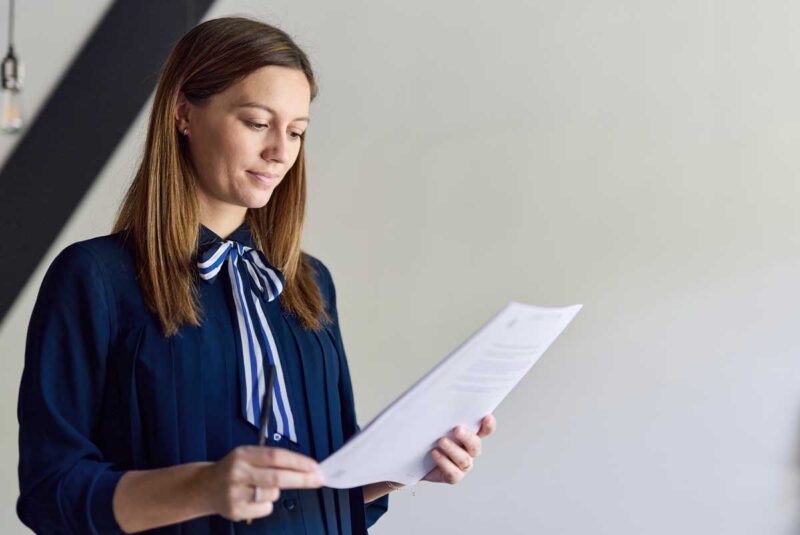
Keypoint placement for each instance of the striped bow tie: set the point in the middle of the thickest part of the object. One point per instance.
(265, 283)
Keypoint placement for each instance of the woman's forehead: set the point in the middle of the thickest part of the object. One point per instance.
(277, 90)
(272, 81)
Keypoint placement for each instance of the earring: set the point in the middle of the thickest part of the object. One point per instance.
(185, 131)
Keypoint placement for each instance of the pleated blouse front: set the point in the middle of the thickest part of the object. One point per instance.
(103, 392)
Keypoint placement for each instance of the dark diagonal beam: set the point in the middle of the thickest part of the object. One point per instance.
(79, 127)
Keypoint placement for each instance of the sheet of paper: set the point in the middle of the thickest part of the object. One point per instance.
(464, 387)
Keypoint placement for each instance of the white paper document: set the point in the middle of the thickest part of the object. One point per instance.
(464, 387)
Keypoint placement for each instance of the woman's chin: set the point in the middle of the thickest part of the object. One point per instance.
(259, 200)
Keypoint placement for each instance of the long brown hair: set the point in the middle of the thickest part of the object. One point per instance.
(160, 211)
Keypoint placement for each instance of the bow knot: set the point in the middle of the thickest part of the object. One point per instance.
(267, 279)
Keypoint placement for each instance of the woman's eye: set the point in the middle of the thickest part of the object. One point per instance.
(258, 127)
(255, 125)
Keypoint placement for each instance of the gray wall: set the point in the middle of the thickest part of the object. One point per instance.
(636, 157)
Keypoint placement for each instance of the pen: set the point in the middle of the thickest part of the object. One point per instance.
(266, 406)
(266, 409)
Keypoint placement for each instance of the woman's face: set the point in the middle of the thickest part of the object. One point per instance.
(244, 140)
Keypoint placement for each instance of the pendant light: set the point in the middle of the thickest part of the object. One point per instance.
(13, 72)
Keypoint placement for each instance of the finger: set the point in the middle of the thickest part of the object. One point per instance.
(469, 440)
(265, 494)
(450, 472)
(269, 457)
(286, 479)
(458, 455)
(252, 510)
(488, 426)
(247, 494)
(245, 506)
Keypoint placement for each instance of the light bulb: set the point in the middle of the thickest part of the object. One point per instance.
(11, 119)
(13, 72)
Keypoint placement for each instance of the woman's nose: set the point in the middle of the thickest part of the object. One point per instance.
(277, 147)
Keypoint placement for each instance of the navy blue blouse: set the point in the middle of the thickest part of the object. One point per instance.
(103, 392)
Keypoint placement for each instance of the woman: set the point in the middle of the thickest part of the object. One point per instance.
(140, 399)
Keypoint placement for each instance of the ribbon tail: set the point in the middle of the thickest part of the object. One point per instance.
(281, 405)
(250, 357)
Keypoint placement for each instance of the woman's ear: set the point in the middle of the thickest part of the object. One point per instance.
(182, 108)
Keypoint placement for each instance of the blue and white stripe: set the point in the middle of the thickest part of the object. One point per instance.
(270, 283)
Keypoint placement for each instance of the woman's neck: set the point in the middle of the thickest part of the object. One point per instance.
(221, 218)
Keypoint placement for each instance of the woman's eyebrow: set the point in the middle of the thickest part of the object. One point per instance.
(267, 108)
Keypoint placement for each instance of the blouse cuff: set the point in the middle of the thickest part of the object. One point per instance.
(101, 504)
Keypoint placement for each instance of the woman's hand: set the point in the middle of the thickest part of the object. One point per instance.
(229, 483)
(454, 457)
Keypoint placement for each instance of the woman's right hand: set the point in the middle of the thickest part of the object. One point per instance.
(229, 483)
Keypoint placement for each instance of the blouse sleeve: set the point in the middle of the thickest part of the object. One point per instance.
(376, 508)
(66, 486)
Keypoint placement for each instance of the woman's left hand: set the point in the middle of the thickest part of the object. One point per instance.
(454, 458)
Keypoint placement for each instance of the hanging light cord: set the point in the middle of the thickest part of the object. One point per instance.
(11, 24)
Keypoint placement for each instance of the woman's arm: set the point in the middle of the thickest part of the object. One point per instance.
(147, 499)
(373, 491)
(66, 483)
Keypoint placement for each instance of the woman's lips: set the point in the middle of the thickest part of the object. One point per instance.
(269, 179)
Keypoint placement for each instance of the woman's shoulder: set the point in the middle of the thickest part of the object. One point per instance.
(102, 261)
(108, 253)
(324, 280)
(101, 270)
(321, 271)
(78, 276)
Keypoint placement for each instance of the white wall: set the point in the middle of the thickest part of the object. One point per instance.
(636, 157)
